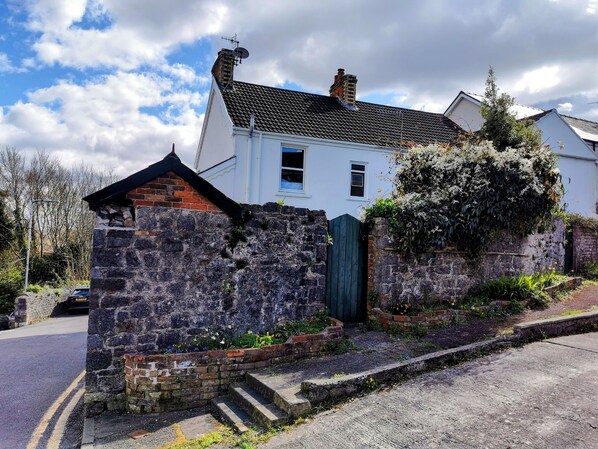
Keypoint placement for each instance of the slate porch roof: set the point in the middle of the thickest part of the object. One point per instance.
(304, 114)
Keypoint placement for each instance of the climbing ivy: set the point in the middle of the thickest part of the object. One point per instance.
(463, 195)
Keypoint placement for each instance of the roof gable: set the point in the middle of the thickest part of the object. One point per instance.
(290, 112)
(171, 163)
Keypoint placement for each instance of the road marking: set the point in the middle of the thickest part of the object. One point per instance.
(43, 424)
(59, 428)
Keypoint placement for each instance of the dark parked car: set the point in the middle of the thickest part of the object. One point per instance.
(78, 300)
(4, 322)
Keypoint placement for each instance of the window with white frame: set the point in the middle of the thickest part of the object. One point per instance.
(292, 169)
(358, 179)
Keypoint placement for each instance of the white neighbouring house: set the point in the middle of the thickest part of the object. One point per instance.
(575, 141)
(263, 144)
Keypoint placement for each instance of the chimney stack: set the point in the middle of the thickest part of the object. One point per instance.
(344, 88)
(223, 68)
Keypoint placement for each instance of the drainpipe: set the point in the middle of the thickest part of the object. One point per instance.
(258, 169)
(249, 159)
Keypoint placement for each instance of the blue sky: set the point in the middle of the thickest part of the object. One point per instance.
(113, 83)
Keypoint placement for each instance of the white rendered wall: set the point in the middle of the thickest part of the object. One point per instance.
(467, 115)
(577, 164)
(326, 174)
(216, 140)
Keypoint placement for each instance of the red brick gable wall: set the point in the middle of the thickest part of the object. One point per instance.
(169, 190)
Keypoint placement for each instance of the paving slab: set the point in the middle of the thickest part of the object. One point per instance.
(539, 396)
(114, 430)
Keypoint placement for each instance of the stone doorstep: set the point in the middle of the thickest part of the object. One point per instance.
(290, 399)
(228, 411)
(263, 411)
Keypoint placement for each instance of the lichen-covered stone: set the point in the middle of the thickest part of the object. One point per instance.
(437, 277)
(178, 271)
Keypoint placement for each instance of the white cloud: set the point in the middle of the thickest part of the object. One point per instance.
(565, 107)
(104, 123)
(6, 66)
(139, 32)
(538, 80)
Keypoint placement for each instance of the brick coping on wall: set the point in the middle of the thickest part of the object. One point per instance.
(446, 317)
(164, 382)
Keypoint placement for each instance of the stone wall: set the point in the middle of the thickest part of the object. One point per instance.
(163, 382)
(439, 277)
(33, 307)
(165, 268)
(585, 246)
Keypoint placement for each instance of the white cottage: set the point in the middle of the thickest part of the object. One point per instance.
(575, 141)
(261, 144)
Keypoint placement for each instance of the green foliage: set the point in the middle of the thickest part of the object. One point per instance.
(210, 339)
(465, 195)
(339, 346)
(589, 270)
(516, 289)
(11, 285)
(312, 326)
(373, 296)
(500, 126)
(34, 288)
(583, 222)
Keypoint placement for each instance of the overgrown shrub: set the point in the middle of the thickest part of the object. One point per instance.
(464, 195)
(584, 222)
(11, 285)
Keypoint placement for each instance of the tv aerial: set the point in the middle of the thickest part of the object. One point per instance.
(240, 52)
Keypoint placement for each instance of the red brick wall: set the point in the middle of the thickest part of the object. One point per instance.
(170, 190)
(585, 246)
(164, 382)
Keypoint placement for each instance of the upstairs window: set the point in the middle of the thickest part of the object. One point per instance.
(291, 173)
(358, 180)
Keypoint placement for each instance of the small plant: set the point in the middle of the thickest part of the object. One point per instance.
(373, 325)
(228, 287)
(339, 346)
(34, 288)
(371, 384)
(329, 240)
(338, 375)
(281, 202)
(373, 296)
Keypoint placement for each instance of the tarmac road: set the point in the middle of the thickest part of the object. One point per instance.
(37, 365)
(543, 395)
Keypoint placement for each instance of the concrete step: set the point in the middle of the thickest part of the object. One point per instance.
(290, 399)
(228, 411)
(261, 409)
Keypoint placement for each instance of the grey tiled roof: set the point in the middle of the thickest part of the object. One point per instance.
(584, 125)
(304, 114)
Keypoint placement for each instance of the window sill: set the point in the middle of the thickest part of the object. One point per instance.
(359, 199)
(293, 194)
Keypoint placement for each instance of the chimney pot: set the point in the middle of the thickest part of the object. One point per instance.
(344, 87)
(223, 68)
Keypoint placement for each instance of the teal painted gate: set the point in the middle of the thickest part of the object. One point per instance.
(345, 270)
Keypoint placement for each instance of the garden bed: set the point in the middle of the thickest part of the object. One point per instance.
(164, 382)
(446, 317)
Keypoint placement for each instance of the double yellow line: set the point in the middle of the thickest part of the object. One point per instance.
(54, 441)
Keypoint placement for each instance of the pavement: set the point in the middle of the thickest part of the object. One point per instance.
(542, 395)
(487, 402)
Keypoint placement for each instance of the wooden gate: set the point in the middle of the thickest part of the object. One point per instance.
(345, 291)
